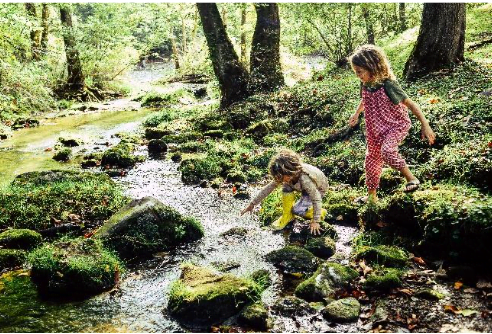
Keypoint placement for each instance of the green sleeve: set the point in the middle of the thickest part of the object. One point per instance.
(394, 91)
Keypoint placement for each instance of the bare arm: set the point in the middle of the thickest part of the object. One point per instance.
(354, 119)
(426, 129)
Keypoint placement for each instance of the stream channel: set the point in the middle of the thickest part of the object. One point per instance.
(139, 305)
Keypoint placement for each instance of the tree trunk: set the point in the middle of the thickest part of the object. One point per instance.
(369, 24)
(75, 79)
(349, 31)
(175, 52)
(35, 33)
(45, 24)
(441, 40)
(243, 34)
(232, 76)
(184, 45)
(265, 68)
(403, 18)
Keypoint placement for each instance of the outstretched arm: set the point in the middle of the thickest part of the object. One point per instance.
(263, 193)
(354, 119)
(426, 129)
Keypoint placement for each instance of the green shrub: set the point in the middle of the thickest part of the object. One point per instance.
(195, 170)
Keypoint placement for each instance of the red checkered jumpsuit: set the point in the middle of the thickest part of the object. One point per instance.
(387, 125)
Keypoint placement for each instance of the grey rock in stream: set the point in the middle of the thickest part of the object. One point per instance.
(342, 310)
(147, 226)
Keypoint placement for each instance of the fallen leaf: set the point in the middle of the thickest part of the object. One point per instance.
(468, 312)
(407, 292)
(418, 260)
(451, 309)
(433, 101)
(365, 268)
(458, 285)
(381, 224)
(49, 149)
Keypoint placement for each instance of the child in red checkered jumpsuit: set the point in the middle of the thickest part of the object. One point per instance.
(387, 122)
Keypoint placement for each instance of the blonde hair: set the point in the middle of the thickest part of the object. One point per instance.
(374, 60)
(285, 163)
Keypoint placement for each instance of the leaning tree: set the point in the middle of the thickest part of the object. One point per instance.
(265, 70)
(230, 72)
(441, 40)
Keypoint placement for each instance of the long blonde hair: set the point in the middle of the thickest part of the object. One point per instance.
(285, 162)
(374, 60)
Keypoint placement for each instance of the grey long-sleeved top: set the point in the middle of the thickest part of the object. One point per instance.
(312, 181)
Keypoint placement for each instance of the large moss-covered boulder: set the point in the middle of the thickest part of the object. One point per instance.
(146, 226)
(390, 256)
(254, 316)
(342, 310)
(76, 267)
(10, 258)
(329, 278)
(202, 298)
(20, 238)
(293, 260)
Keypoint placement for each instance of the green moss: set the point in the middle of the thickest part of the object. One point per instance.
(293, 260)
(236, 175)
(34, 198)
(429, 294)
(120, 155)
(391, 256)
(323, 247)
(262, 278)
(63, 155)
(340, 204)
(154, 99)
(203, 298)
(157, 118)
(20, 239)
(383, 279)
(254, 316)
(10, 258)
(195, 170)
(342, 310)
(155, 133)
(192, 147)
(74, 267)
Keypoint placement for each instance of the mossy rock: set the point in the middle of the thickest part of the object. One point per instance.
(121, 156)
(236, 176)
(195, 170)
(183, 137)
(292, 306)
(262, 278)
(10, 258)
(383, 279)
(235, 231)
(429, 294)
(146, 226)
(177, 157)
(156, 133)
(342, 310)
(157, 146)
(63, 155)
(202, 298)
(69, 142)
(72, 268)
(254, 316)
(303, 234)
(323, 247)
(329, 278)
(33, 199)
(20, 238)
(389, 256)
(260, 129)
(293, 260)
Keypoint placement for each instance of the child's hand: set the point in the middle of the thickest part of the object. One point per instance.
(354, 119)
(315, 228)
(248, 208)
(428, 133)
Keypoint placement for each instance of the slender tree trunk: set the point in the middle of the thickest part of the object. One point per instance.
(403, 18)
(184, 45)
(243, 34)
(76, 78)
(265, 68)
(349, 30)
(369, 24)
(232, 76)
(175, 52)
(45, 24)
(441, 40)
(35, 33)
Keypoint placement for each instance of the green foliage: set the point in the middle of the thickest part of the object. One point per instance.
(160, 117)
(390, 256)
(195, 170)
(383, 279)
(154, 99)
(10, 258)
(34, 198)
(20, 238)
(63, 155)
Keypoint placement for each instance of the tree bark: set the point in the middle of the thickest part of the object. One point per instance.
(349, 30)
(441, 40)
(232, 76)
(35, 33)
(243, 34)
(175, 52)
(265, 68)
(45, 24)
(369, 24)
(403, 18)
(76, 78)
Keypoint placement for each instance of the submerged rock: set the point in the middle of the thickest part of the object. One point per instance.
(342, 310)
(76, 267)
(147, 226)
(293, 260)
(20, 238)
(329, 278)
(254, 316)
(292, 306)
(202, 298)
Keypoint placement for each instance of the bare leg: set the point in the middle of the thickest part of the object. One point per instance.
(407, 174)
(372, 196)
